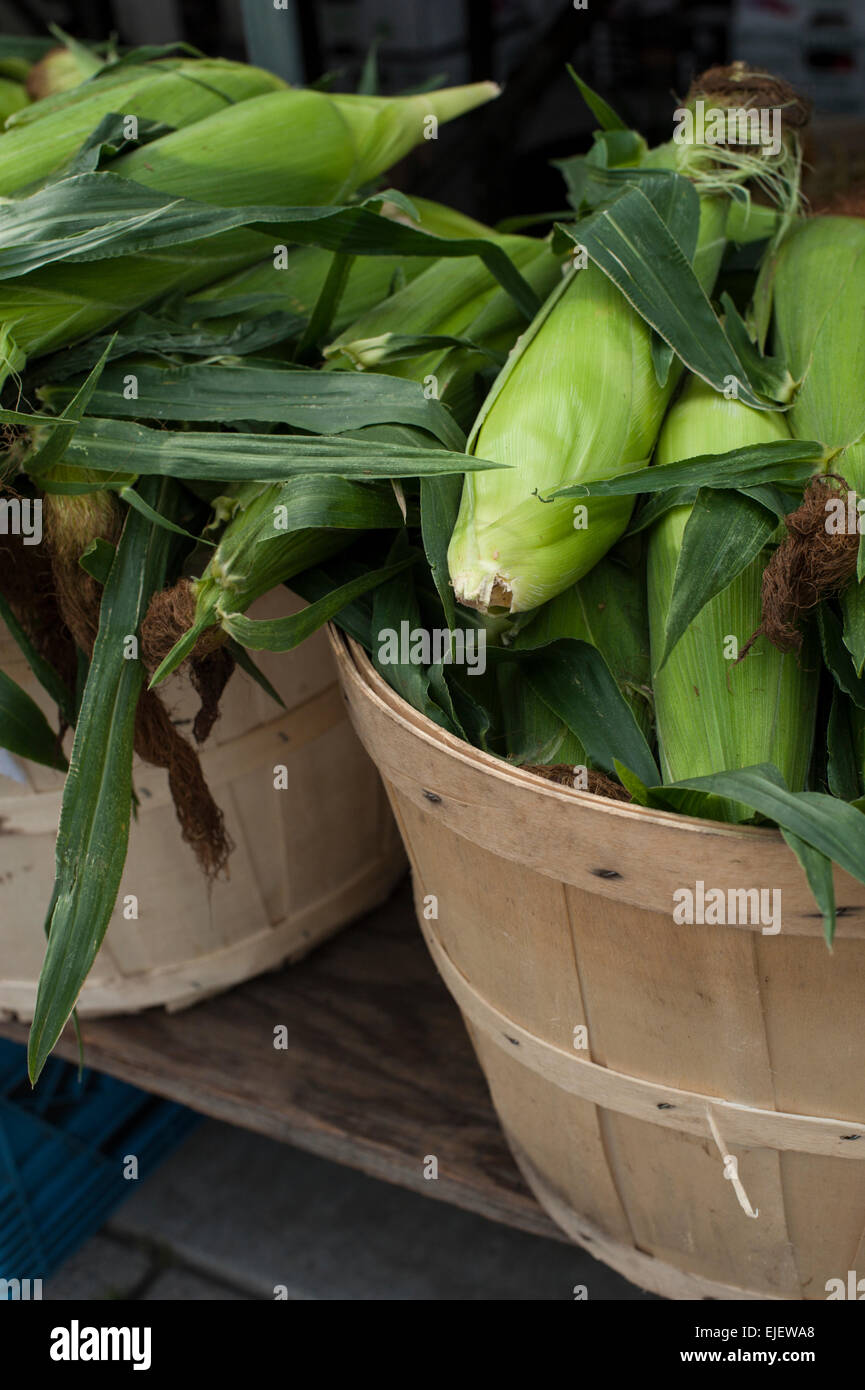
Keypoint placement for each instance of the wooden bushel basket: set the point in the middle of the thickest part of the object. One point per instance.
(308, 858)
(724, 1071)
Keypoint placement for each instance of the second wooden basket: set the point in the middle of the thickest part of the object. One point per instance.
(686, 1101)
(308, 857)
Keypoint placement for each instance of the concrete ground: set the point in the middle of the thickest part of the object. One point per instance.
(233, 1216)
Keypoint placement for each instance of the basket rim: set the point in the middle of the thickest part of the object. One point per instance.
(356, 667)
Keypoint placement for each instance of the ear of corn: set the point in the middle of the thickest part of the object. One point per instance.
(13, 96)
(336, 144)
(61, 69)
(295, 288)
(577, 400)
(321, 162)
(819, 310)
(444, 300)
(176, 92)
(713, 714)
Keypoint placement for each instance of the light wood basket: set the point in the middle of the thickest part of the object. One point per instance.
(706, 1044)
(307, 859)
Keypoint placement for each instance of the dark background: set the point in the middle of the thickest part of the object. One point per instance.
(641, 54)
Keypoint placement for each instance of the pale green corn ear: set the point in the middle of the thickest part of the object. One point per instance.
(301, 146)
(819, 313)
(253, 556)
(577, 400)
(13, 95)
(45, 135)
(299, 149)
(715, 714)
(295, 287)
(442, 301)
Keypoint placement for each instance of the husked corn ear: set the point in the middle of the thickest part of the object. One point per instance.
(819, 313)
(712, 714)
(578, 399)
(46, 134)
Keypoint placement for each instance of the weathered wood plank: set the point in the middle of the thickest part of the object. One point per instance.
(377, 1071)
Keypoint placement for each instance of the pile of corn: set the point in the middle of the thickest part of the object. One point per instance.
(235, 358)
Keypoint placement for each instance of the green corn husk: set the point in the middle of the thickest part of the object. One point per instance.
(577, 401)
(819, 311)
(60, 304)
(337, 142)
(606, 608)
(371, 279)
(255, 555)
(451, 299)
(13, 96)
(712, 714)
(177, 92)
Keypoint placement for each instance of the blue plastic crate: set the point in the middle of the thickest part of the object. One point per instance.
(62, 1151)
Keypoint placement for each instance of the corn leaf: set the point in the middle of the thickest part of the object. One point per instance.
(600, 109)
(283, 634)
(439, 507)
(395, 608)
(94, 216)
(837, 657)
(103, 444)
(97, 799)
(657, 504)
(58, 441)
(843, 772)
(97, 558)
(43, 670)
(107, 140)
(572, 678)
(316, 331)
(246, 663)
(163, 335)
(790, 461)
(769, 375)
(24, 730)
(724, 533)
(320, 580)
(818, 871)
(853, 610)
(318, 402)
(825, 824)
(631, 243)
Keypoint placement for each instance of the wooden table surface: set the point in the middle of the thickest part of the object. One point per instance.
(377, 1071)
